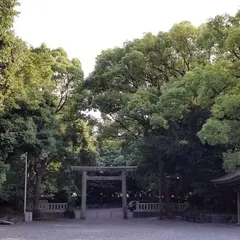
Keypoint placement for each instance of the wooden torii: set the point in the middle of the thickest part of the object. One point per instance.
(122, 177)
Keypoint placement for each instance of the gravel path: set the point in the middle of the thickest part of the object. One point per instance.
(115, 228)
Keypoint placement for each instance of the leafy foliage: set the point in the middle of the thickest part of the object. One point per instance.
(173, 101)
(38, 88)
(169, 103)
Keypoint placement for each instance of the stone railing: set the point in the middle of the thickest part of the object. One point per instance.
(49, 207)
(155, 207)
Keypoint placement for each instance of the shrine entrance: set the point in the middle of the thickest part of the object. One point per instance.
(85, 177)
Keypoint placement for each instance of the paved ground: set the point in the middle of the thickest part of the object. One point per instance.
(106, 227)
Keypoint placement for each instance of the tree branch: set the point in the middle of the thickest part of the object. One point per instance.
(116, 120)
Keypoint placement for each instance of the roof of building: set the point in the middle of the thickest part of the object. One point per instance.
(231, 178)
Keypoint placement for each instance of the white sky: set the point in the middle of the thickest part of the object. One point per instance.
(85, 27)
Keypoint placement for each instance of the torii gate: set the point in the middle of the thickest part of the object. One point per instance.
(122, 177)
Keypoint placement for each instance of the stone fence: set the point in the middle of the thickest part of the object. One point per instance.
(155, 207)
(49, 207)
(145, 210)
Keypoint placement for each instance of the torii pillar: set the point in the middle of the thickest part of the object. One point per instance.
(84, 195)
(124, 194)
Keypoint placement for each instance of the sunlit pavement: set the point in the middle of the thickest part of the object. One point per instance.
(105, 225)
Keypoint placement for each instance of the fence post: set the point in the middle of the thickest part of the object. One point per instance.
(137, 206)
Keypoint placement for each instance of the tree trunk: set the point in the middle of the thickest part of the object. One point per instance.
(37, 193)
(160, 165)
(167, 195)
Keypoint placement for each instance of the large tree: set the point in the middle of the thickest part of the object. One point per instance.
(168, 95)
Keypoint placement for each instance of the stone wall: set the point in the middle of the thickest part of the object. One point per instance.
(221, 218)
(145, 214)
(50, 216)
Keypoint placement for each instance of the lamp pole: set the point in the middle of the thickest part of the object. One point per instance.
(25, 185)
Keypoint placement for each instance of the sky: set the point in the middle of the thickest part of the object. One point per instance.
(86, 27)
